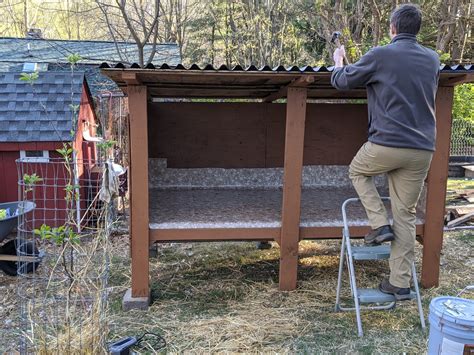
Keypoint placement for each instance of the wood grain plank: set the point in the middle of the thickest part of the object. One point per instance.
(251, 135)
(291, 206)
(213, 234)
(436, 190)
(137, 101)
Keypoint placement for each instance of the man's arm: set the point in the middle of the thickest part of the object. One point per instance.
(354, 75)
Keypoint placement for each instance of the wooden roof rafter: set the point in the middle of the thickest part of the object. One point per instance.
(302, 81)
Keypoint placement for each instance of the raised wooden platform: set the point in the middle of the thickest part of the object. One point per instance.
(249, 214)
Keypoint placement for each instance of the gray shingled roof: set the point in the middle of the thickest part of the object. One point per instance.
(52, 55)
(38, 112)
(21, 50)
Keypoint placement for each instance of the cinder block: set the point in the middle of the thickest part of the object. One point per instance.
(129, 302)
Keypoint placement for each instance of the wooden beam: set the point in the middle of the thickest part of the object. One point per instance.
(336, 232)
(15, 258)
(460, 220)
(248, 234)
(137, 102)
(436, 190)
(214, 234)
(293, 165)
(302, 81)
(456, 80)
(131, 78)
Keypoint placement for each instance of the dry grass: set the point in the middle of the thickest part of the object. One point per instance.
(58, 316)
(223, 297)
(79, 331)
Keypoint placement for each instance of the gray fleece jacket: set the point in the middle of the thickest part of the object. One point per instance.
(401, 80)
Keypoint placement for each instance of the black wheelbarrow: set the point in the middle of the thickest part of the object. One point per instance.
(16, 255)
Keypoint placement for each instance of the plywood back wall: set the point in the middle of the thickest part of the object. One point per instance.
(250, 135)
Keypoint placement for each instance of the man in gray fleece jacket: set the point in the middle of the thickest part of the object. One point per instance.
(401, 80)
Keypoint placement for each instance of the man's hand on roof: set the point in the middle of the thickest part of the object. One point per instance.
(338, 56)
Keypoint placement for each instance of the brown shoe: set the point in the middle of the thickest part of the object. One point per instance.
(379, 235)
(399, 293)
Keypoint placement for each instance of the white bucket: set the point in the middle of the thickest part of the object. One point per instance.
(451, 325)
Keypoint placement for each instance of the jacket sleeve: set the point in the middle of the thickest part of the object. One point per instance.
(355, 75)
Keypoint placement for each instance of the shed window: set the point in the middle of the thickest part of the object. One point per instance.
(40, 156)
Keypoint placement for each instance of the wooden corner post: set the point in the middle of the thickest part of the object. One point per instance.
(293, 166)
(139, 232)
(436, 190)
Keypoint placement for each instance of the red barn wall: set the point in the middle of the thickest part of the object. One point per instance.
(8, 176)
(50, 194)
(9, 153)
(86, 151)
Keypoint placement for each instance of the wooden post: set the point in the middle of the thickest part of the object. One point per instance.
(293, 166)
(137, 102)
(436, 190)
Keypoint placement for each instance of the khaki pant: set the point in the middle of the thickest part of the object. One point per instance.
(406, 170)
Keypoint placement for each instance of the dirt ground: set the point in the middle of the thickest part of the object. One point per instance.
(223, 297)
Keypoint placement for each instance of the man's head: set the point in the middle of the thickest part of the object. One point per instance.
(405, 19)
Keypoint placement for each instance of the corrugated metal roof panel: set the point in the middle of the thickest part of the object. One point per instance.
(251, 68)
(179, 81)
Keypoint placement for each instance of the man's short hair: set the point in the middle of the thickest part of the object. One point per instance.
(406, 19)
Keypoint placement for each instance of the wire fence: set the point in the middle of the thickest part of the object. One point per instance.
(63, 261)
(112, 112)
(462, 138)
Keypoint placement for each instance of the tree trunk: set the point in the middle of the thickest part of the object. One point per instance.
(448, 25)
(25, 17)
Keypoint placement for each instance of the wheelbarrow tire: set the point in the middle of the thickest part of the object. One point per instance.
(11, 267)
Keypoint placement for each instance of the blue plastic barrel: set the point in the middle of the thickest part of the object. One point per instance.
(451, 325)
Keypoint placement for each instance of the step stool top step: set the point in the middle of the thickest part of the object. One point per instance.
(378, 252)
(372, 295)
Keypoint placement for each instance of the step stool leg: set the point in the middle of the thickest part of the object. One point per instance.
(418, 296)
(354, 288)
(349, 272)
(339, 276)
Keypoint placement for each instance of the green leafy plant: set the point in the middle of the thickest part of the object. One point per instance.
(30, 78)
(463, 104)
(73, 59)
(74, 108)
(72, 192)
(58, 235)
(105, 147)
(106, 144)
(443, 57)
(62, 236)
(462, 133)
(71, 189)
(74, 266)
(30, 181)
(66, 151)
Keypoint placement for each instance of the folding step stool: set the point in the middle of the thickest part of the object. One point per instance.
(350, 253)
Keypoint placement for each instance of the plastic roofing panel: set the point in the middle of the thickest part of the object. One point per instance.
(266, 68)
(179, 81)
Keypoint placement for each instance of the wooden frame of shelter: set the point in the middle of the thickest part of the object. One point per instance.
(297, 85)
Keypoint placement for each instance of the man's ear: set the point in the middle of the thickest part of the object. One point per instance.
(393, 30)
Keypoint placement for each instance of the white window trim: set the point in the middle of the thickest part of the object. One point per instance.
(43, 159)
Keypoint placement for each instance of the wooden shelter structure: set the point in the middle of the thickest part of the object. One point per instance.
(317, 128)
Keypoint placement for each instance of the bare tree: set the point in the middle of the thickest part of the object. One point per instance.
(242, 32)
(137, 18)
(447, 25)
